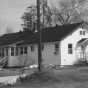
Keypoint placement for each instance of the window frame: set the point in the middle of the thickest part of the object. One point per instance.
(25, 49)
(82, 32)
(16, 51)
(21, 50)
(12, 51)
(56, 46)
(70, 48)
(42, 47)
(7, 51)
(32, 48)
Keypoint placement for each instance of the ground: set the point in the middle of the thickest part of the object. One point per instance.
(69, 77)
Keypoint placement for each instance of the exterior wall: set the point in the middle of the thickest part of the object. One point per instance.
(70, 59)
(22, 60)
(33, 54)
(48, 56)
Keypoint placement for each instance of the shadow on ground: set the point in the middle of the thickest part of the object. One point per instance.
(74, 77)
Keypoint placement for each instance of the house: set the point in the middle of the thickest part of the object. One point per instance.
(61, 45)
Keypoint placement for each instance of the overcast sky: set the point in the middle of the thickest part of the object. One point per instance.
(11, 11)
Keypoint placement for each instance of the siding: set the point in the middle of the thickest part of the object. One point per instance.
(70, 59)
(48, 56)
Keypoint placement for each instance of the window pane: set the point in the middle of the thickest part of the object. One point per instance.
(32, 48)
(21, 50)
(69, 45)
(69, 48)
(12, 51)
(25, 50)
(56, 48)
(80, 32)
(17, 51)
(2, 52)
(83, 32)
(6, 51)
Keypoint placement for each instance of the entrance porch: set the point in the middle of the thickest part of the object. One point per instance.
(82, 50)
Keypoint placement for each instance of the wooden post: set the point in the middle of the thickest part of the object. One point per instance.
(39, 36)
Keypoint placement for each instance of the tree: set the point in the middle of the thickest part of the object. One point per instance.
(83, 9)
(66, 13)
(69, 11)
(30, 16)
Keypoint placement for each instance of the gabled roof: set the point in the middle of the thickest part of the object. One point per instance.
(50, 34)
(82, 40)
(59, 32)
(53, 34)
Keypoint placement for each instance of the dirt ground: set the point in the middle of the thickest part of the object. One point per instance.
(70, 77)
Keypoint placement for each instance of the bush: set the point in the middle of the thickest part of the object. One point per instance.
(81, 63)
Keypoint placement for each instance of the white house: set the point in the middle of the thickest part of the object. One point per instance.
(61, 45)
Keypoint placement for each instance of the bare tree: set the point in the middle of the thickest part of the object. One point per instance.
(67, 13)
(30, 16)
(70, 11)
(83, 9)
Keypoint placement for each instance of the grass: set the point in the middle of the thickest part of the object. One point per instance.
(74, 77)
(14, 71)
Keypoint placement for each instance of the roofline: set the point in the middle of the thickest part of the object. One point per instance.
(80, 26)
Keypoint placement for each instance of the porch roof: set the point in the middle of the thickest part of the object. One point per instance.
(83, 42)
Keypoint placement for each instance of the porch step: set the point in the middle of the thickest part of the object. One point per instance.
(4, 61)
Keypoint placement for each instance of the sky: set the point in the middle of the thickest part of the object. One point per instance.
(11, 12)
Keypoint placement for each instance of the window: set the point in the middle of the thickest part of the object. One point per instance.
(17, 51)
(42, 47)
(56, 48)
(82, 32)
(12, 51)
(69, 48)
(32, 48)
(6, 51)
(3, 52)
(25, 50)
(21, 50)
